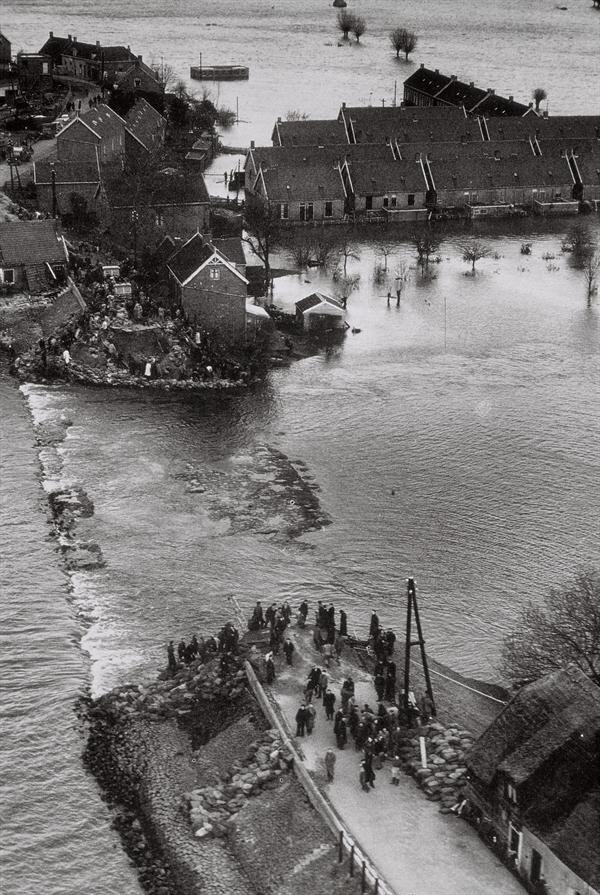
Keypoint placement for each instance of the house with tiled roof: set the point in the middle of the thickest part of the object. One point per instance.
(210, 288)
(87, 61)
(5, 54)
(534, 776)
(101, 126)
(56, 180)
(430, 88)
(145, 128)
(33, 257)
(138, 78)
(302, 191)
(308, 133)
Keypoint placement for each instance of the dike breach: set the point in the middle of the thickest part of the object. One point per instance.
(202, 789)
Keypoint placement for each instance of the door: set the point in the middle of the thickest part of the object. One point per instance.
(369, 203)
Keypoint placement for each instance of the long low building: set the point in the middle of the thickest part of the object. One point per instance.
(409, 163)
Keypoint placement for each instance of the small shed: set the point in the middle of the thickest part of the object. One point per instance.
(257, 317)
(320, 313)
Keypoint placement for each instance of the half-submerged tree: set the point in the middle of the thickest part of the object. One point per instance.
(403, 41)
(426, 245)
(539, 95)
(359, 26)
(591, 267)
(474, 252)
(261, 224)
(345, 21)
(347, 252)
(564, 630)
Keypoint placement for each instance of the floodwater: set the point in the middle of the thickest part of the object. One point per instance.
(454, 438)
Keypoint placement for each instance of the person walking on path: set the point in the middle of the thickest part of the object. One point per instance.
(323, 684)
(379, 682)
(342, 734)
(363, 779)
(329, 703)
(330, 765)
(300, 720)
(270, 668)
(396, 764)
(288, 649)
(311, 714)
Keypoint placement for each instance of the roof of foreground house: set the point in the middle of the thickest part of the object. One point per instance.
(28, 242)
(193, 255)
(145, 123)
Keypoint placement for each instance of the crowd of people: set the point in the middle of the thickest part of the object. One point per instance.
(225, 645)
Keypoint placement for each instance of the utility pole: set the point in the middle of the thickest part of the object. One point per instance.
(412, 608)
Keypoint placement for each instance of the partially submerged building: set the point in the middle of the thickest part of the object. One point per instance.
(320, 313)
(534, 775)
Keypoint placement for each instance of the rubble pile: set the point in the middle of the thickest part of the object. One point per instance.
(444, 778)
(213, 809)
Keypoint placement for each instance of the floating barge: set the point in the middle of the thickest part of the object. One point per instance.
(219, 72)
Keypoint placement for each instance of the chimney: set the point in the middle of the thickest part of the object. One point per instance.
(471, 83)
(97, 44)
(544, 113)
(437, 71)
(69, 36)
(279, 121)
(453, 77)
(52, 34)
(343, 105)
(252, 144)
(422, 63)
(139, 59)
(511, 99)
(74, 39)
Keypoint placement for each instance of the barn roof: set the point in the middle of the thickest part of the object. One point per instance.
(535, 723)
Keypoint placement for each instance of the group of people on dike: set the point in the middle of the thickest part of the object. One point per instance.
(224, 644)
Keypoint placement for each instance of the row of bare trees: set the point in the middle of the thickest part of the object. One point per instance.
(401, 39)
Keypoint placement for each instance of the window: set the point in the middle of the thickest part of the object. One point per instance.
(284, 211)
(411, 198)
(394, 201)
(215, 273)
(329, 209)
(44, 68)
(386, 201)
(510, 792)
(309, 211)
(137, 82)
(369, 203)
(535, 870)
(302, 211)
(7, 275)
(514, 842)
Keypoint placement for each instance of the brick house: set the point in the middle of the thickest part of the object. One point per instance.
(430, 88)
(101, 127)
(33, 258)
(56, 180)
(210, 288)
(86, 61)
(145, 128)
(5, 54)
(534, 775)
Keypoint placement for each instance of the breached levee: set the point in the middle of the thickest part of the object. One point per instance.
(202, 792)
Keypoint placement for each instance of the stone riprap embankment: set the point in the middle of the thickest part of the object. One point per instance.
(445, 776)
(202, 792)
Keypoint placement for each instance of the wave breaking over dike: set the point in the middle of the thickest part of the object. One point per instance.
(201, 788)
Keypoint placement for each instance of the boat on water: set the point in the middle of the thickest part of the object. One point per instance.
(219, 72)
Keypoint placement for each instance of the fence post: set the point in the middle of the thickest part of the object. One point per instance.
(341, 847)
(363, 877)
(352, 860)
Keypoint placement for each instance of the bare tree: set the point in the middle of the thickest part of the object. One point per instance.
(359, 26)
(401, 276)
(322, 250)
(564, 630)
(539, 95)
(403, 41)
(426, 245)
(474, 252)
(590, 271)
(384, 250)
(578, 241)
(164, 72)
(345, 286)
(345, 22)
(346, 251)
(262, 231)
